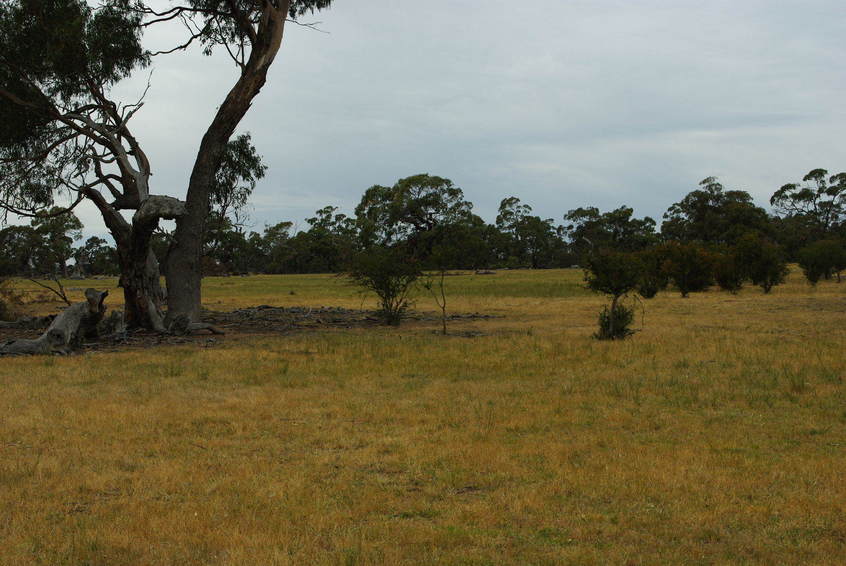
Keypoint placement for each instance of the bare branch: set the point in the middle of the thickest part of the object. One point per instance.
(310, 25)
(26, 214)
(143, 95)
(194, 37)
(60, 292)
(238, 56)
(176, 12)
(116, 223)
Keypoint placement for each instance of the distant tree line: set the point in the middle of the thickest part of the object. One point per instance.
(426, 221)
(45, 248)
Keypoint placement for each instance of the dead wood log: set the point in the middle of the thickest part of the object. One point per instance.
(112, 326)
(67, 330)
(181, 325)
(195, 326)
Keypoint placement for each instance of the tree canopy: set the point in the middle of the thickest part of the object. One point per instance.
(590, 229)
(411, 211)
(713, 215)
(61, 134)
(820, 203)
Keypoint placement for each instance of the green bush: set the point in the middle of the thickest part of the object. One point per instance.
(390, 274)
(822, 259)
(688, 265)
(652, 278)
(729, 272)
(763, 261)
(615, 322)
(613, 273)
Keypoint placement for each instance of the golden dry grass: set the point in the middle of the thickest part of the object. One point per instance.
(716, 435)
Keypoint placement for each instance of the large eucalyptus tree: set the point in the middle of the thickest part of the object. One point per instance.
(250, 32)
(62, 134)
(63, 139)
(820, 203)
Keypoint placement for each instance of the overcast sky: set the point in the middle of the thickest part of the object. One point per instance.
(561, 103)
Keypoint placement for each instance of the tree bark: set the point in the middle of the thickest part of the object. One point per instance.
(142, 291)
(139, 268)
(140, 277)
(184, 276)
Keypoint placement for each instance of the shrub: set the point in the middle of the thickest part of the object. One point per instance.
(814, 263)
(822, 259)
(729, 271)
(10, 300)
(652, 278)
(616, 274)
(615, 322)
(613, 273)
(689, 266)
(648, 288)
(763, 261)
(390, 274)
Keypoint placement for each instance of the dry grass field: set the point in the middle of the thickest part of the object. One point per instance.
(716, 435)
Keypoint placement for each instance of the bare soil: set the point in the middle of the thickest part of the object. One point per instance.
(251, 321)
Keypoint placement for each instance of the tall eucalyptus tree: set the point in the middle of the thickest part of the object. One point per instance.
(62, 135)
(250, 32)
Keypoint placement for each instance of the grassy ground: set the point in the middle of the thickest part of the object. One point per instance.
(716, 435)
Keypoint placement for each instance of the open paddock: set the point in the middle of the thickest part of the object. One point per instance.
(715, 435)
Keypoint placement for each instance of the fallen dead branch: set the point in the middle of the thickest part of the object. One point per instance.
(67, 330)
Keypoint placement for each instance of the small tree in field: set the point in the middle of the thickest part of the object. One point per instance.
(444, 254)
(436, 285)
(763, 260)
(390, 274)
(616, 274)
(689, 266)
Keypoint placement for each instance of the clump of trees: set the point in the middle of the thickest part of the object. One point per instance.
(417, 223)
(44, 248)
(413, 210)
(709, 221)
(822, 260)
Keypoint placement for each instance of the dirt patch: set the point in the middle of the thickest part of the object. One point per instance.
(260, 320)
